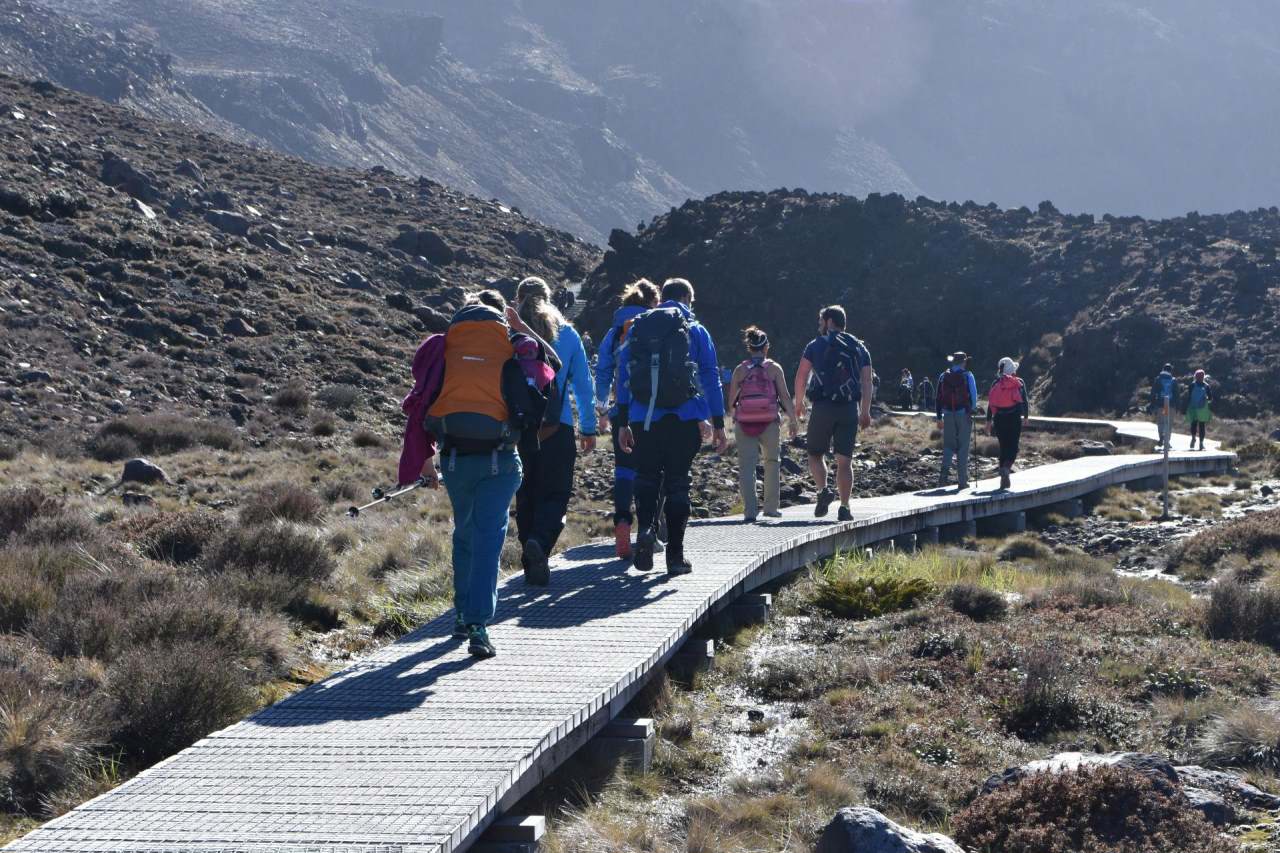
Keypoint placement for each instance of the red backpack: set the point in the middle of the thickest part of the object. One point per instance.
(757, 396)
(1006, 393)
(953, 391)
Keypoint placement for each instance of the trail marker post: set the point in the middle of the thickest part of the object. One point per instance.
(1166, 427)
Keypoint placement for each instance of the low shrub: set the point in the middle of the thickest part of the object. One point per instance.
(368, 439)
(113, 448)
(165, 698)
(863, 597)
(294, 397)
(282, 501)
(1240, 611)
(1242, 737)
(20, 506)
(178, 538)
(324, 427)
(9, 450)
(1045, 701)
(59, 528)
(280, 549)
(160, 434)
(938, 646)
(338, 396)
(44, 744)
(978, 603)
(1091, 810)
(1023, 548)
(1249, 537)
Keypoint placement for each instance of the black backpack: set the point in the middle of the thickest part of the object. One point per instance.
(661, 373)
(836, 379)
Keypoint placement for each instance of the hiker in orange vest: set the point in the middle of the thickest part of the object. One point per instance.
(1008, 408)
(757, 393)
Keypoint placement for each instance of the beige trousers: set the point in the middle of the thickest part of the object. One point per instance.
(749, 451)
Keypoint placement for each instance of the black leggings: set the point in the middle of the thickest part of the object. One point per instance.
(1008, 429)
(1198, 429)
(544, 493)
(663, 457)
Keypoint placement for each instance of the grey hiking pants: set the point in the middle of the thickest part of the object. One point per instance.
(750, 449)
(957, 429)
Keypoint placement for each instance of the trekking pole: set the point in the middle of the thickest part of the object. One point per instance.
(380, 497)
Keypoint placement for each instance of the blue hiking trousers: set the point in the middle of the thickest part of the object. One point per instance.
(480, 487)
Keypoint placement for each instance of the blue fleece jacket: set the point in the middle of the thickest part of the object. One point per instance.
(575, 375)
(973, 387)
(702, 352)
(607, 359)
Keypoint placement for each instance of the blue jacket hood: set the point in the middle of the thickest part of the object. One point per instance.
(627, 312)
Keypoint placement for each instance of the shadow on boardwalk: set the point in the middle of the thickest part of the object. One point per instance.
(579, 593)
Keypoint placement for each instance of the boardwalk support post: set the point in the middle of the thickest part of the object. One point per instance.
(907, 543)
(1003, 524)
(752, 609)
(1073, 508)
(694, 656)
(513, 834)
(957, 532)
(928, 536)
(624, 741)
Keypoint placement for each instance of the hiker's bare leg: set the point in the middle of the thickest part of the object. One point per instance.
(818, 468)
(844, 478)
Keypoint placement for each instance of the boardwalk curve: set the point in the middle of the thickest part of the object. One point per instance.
(418, 747)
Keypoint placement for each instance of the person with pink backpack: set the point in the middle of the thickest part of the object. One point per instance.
(1007, 410)
(758, 392)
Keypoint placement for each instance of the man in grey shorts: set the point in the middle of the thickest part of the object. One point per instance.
(833, 371)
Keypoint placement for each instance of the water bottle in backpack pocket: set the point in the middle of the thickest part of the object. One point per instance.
(662, 375)
(757, 401)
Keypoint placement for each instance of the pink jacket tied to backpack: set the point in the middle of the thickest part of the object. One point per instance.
(428, 376)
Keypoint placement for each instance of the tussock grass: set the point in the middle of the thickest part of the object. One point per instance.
(1250, 538)
(282, 501)
(279, 549)
(20, 506)
(1023, 547)
(1242, 737)
(1200, 505)
(1241, 611)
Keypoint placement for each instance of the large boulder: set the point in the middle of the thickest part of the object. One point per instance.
(425, 243)
(120, 173)
(864, 830)
(1229, 785)
(1160, 770)
(142, 471)
(530, 244)
(229, 222)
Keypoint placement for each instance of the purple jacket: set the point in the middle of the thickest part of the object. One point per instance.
(428, 376)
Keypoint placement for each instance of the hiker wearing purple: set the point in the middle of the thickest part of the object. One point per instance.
(836, 375)
(638, 297)
(668, 387)
(956, 405)
(543, 500)
(757, 392)
(1008, 409)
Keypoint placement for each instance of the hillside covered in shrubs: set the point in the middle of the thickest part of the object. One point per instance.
(145, 267)
(1093, 306)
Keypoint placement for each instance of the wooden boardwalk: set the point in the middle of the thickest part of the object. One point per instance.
(420, 747)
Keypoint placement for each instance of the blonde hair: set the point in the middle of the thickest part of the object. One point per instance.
(641, 293)
(534, 297)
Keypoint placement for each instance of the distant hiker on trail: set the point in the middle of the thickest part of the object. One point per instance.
(906, 389)
(543, 499)
(875, 387)
(835, 373)
(757, 392)
(589, 345)
(488, 403)
(1164, 396)
(1007, 411)
(668, 386)
(955, 407)
(924, 394)
(637, 298)
(1199, 396)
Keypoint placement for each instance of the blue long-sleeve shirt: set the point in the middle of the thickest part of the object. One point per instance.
(973, 388)
(574, 376)
(607, 359)
(702, 352)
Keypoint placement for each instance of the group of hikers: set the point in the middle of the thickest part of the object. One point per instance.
(1164, 400)
(509, 396)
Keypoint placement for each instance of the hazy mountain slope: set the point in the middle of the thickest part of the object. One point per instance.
(1093, 307)
(147, 267)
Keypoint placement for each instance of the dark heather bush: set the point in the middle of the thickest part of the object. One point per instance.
(978, 603)
(113, 448)
(293, 397)
(272, 549)
(367, 438)
(19, 507)
(60, 528)
(282, 502)
(192, 614)
(338, 396)
(165, 698)
(159, 434)
(8, 451)
(1092, 810)
(1044, 702)
(1238, 611)
(177, 537)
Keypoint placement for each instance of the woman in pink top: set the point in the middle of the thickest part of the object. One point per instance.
(757, 393)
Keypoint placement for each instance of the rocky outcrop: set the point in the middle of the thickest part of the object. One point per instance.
(865, 830)
(1092, 308)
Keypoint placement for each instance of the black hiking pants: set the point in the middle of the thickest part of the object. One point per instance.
(544, 494)
(1008, 429)
(663, 459)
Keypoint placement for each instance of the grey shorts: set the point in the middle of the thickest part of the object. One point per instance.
(833, 425)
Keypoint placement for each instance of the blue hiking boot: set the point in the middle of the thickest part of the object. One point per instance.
(479, 645)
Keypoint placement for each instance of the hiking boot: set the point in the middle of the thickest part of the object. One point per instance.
(773, 513)
(459, 628)
(643, 556)
(479, 645)
(964, 484)
(1202, 444)
(825, 497)
(677, 564)
(622, 540)
(844, 514)
(944, 481)
(749, 519)
(536, 570)
(1005, 483)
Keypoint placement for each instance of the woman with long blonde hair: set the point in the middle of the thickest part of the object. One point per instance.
(544, 494)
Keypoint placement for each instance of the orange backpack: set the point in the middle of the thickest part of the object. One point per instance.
(471, 413)
(1006, 393)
